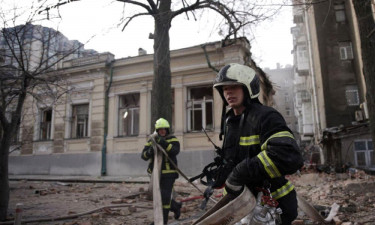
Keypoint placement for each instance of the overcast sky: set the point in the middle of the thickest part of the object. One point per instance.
(84, 19)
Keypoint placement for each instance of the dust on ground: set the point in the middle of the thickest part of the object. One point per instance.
(126, 203)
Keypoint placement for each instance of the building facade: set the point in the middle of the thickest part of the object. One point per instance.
(38, 45)
(283, 100)
(330, 88)
(67, 137)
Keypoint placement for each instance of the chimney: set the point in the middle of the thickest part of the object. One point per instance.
(277, 65)
(141, 51)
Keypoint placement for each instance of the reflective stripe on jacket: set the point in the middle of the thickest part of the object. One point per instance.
(173, 148)
(266, 143)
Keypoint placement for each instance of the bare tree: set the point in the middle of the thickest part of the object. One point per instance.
(30, 56)
(365, 18)
(236, 18)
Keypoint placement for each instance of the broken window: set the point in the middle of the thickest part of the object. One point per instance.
(352, 96)
(340, 13)
(200, 108)
(80, 118)
(128, 115)
(45, 124)
(346, 50)
(364, 153)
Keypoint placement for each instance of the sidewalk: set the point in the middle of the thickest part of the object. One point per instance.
(81, 179)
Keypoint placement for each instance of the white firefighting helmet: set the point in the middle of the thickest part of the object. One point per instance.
(236, 74)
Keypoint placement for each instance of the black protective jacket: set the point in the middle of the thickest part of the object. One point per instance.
(261, 142)
(167, 169)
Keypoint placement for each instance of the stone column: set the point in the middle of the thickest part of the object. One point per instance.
(143, 109)
(179, 108)
(97, 114)
(179, 111)
(59, 125)
(27, 127)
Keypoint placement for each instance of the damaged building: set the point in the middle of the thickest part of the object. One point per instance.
(329, 92)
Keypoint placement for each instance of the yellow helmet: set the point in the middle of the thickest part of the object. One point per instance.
(161, 123)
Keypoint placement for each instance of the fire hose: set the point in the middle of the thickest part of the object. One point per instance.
(152, 137)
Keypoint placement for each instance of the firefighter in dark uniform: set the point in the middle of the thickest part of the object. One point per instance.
(258, 146)
(168, 173)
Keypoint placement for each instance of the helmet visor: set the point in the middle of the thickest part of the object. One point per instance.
(225, 83)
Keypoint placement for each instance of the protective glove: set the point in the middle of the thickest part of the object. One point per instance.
(149, 153)
(162, 142)
(233, 186)
(236, 179)
(223, 171)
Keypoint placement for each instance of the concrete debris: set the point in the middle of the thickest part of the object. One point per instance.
(342, 198)
(353, 195)
(334, 210)
(64, 184)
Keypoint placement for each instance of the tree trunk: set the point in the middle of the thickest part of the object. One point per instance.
(4, 183)
(161, 100)
(9, 132)
(367, 36)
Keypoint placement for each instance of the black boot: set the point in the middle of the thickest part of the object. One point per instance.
(176, 208)
(165, 215)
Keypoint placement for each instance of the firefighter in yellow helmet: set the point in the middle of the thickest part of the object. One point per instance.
(258, 146)
(168, 173)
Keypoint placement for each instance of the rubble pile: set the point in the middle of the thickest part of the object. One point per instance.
(354, 194)
(128, 203)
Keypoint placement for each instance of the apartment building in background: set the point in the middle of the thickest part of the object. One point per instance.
(37, 44)
(282, 79)
(329, 84)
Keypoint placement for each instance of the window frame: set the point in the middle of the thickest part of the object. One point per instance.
(17, 138)
(74, 122)
(352, 89)
(367, 153)
(190, 106)
(48, 133)
(132, 110)
(340, 14)
(346, 50)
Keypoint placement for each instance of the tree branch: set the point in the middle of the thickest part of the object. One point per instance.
(149, 10)
(153, 6)
(129, 19)
(208, 59)
(186, 9)
(56, 6)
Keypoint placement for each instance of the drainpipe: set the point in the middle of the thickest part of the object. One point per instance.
(104, 148)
